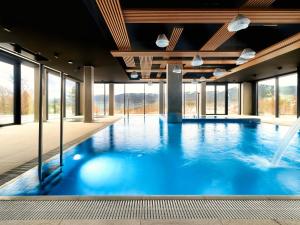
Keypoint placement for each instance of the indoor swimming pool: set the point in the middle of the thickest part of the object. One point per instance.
(147, 156)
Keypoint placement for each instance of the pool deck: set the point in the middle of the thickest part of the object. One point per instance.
(19, 142)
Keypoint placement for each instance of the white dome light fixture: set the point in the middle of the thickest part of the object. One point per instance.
(202, 79)
(177, 69)
(197, 61)
(239, 22)
(194, 81)
(162, 41)
(240, 61)
(219, 72)
(134, 75)
(248, 53)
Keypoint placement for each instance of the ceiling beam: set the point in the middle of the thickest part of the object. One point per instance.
(113, 16)
(162, 70)
(204, 54)
(290, 44)
(211, 16)
(188, 62)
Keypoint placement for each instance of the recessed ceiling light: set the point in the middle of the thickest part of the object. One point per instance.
(162, 41)
(239, 22)
(177, 69)
(197, 61)
(70, 62)
(134, 75)
(248, 53)
(7, 29)
(219, 72)
(56, 55)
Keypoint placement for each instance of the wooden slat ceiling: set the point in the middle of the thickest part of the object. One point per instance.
(113, 16)
(290, 44)
(180, 16)
(204, 54)
(223, 34)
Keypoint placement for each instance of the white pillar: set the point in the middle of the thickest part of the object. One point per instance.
(246, 98)
(203, 99)
(174, 93)
(88, 77)
(111, 100)
(161, 97)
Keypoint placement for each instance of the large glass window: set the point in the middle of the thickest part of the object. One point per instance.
(190, 99)
(6, 93)
(266, 97)
(119, 92)
(134, 98)
(288, 96)
(70, 93)
(233, 99)
(27, 93)
(210, 99)
(221, 93)
(101, 94)
(54, 82)
(152, 98)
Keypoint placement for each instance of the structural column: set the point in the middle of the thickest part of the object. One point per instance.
(88, 79)
(203, 99)
(111, 104)
(246, 98)
(161, 97)
(174, 94)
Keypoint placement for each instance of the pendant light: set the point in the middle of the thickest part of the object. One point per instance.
(239, 22)
(202, 79)
(134, 75)
(177, 69)
(248, 53)
(162, 41)
(240, 61)
(219, 72)
(197, 61)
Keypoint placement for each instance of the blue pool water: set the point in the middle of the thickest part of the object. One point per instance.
(147, 156)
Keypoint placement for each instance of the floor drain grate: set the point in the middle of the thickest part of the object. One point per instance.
(149, 209)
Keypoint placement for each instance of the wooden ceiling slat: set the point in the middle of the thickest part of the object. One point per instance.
(113, 16)
(258, 3)
(278, 16)
(145, 64)
(204, 54)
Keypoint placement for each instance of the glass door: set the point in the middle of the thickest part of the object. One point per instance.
(216, 99)
(6, 93)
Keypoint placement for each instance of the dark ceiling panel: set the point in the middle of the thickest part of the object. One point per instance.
(193, 37)
(126, 4)
(259, 37)
(65, 27)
